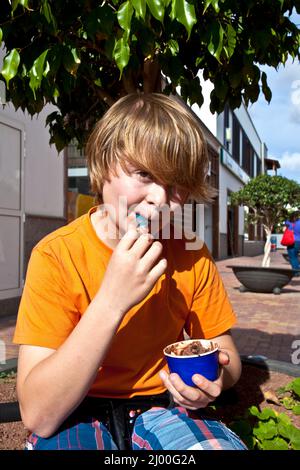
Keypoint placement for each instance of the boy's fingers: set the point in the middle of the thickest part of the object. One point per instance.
(224, 358)
(128, 239)
(152, 255)
(142, 244)
(132, 233)
(190, 396)
(158, 270)
(211, 389)
(166, 380)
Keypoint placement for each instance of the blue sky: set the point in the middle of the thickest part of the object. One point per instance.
(278, 123)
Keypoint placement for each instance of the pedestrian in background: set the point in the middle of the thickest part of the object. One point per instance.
(293, 250)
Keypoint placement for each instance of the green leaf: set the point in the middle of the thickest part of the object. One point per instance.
(265, 88)
(173, 46)
(215, 45)
(10, 66)
(295, 385)
(98, 82)
(56, 93)
(47, 12)
(221, 88)
(71, 60)
(288, 403)
(281, 3)
(265, 430)
(230, 40)
(296, 410)
(157, 8)
(295, 445)
(184, 13)
(214, 3)
(275, 444)
(285, 430)
(36, 72)
(16, 3)
(121, 54)
(291, 433)
(124, 16)
(101, 19)
(282, 418)
(1, 36)
(267, 413)
(24, 4)
(140, 8)
(191, 91)
(295, 438)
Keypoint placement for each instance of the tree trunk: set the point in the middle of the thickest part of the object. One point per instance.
(152, 76)
(266, 259)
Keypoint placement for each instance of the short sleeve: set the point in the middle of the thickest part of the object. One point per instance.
(211, 313)
(47, 314)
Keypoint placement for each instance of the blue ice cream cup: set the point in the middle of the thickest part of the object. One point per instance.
(203, 363)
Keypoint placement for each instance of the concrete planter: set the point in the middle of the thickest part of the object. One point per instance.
(259, 279)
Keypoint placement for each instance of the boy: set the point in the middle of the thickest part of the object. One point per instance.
(103, 297)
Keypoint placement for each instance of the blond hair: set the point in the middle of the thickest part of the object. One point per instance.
(153, 133)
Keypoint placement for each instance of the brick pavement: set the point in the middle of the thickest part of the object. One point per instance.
(267, 323)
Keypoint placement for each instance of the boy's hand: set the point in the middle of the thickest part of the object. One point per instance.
(204, 392)
(133, 269)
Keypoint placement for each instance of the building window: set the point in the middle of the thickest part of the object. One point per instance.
(248, 156)
(235, 139)
(246, 153)
(226, 126)
(258, 165)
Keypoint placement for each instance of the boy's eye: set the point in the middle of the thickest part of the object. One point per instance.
(144, 174)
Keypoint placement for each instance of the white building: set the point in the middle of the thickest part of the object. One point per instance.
(241, 157)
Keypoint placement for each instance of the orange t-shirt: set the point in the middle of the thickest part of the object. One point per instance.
(64, 274)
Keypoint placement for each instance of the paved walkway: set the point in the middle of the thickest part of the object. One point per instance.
(267, 325)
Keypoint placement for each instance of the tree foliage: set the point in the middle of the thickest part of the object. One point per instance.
(270, 198)
(82, 55)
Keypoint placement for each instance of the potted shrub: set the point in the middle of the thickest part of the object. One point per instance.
(270, 198)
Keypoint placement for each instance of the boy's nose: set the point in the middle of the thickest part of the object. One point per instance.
(157, 194)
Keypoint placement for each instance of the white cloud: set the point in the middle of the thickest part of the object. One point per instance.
(290, 165)
(278, 123)
(294, 115)
(290, 161)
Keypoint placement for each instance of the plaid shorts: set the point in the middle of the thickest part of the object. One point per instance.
(156, 429)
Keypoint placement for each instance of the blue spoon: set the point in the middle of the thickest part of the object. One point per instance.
(141, 221)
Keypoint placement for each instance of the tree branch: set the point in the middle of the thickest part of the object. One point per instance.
(104, 96)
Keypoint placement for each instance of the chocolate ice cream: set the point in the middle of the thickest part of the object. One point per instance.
(189, 349)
